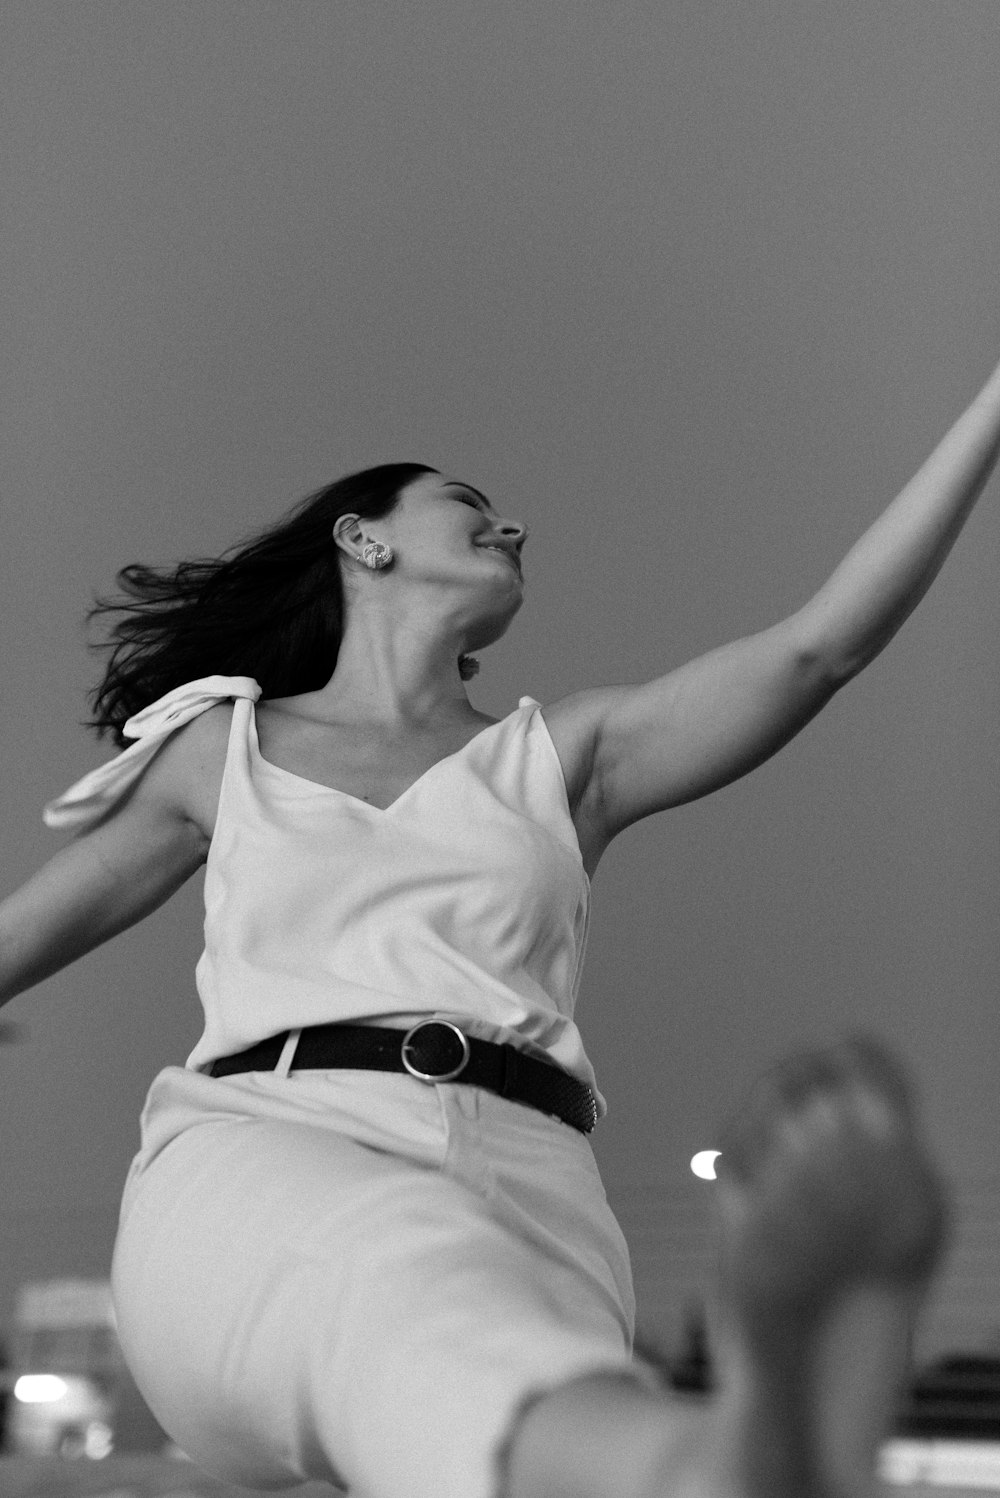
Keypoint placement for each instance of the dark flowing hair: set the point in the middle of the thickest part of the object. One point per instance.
(271, 607)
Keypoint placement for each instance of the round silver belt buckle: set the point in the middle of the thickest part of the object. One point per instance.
(426, 1076)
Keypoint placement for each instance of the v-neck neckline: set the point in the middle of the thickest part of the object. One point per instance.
(317, 785)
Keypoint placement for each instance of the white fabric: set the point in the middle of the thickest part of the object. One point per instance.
(348, 1274)
(465, 899)
(352, 1276)
(88, 800)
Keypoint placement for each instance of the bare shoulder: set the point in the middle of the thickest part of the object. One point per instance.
(121, 866)
(574, 725)
(186, 773)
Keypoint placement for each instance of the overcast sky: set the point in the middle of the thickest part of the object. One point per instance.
(693, 289)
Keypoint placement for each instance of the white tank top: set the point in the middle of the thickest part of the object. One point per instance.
(465, 899)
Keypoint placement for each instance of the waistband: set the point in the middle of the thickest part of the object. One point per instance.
(431, 1051)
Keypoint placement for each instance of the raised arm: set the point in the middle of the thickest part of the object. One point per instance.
(697, 728)
(884, 577)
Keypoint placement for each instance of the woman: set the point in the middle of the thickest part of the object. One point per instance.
(364, 1238)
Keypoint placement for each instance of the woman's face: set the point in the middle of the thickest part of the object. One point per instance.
(454, 556)
(441, 527)
(449, 541)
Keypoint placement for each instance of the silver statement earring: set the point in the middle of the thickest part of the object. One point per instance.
(376, 556)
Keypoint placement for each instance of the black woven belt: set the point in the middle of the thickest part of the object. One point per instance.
(432, 1051)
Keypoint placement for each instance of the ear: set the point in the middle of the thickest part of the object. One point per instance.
(347, 532)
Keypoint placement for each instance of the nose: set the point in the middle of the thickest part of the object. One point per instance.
(514, 530)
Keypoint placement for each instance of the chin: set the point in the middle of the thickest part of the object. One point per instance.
(490, 630)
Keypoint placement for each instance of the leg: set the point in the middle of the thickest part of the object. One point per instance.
(830, 1221)
(364, 1296)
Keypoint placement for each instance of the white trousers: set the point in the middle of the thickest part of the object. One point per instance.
(357, 1277)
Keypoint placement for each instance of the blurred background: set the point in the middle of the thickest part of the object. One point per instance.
(691, 289)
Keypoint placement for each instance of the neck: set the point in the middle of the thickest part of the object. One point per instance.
(402, 677)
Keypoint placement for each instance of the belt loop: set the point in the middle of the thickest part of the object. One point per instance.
(287, 1056)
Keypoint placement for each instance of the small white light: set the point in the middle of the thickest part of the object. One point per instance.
(703, 1164)
(98, 1441)
(40, 1388)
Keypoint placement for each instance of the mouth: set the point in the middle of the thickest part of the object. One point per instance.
(508, 557)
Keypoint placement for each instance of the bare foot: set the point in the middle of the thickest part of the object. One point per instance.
(831, 1220)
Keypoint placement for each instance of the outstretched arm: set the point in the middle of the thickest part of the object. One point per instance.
(884, 577)
(110, 876)
(699, 727)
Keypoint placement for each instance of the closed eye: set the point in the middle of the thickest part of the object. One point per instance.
(466, 499)
(472, 497)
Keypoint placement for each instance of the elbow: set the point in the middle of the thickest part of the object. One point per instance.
(825, 660)
(830, 669)
(840, 666)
